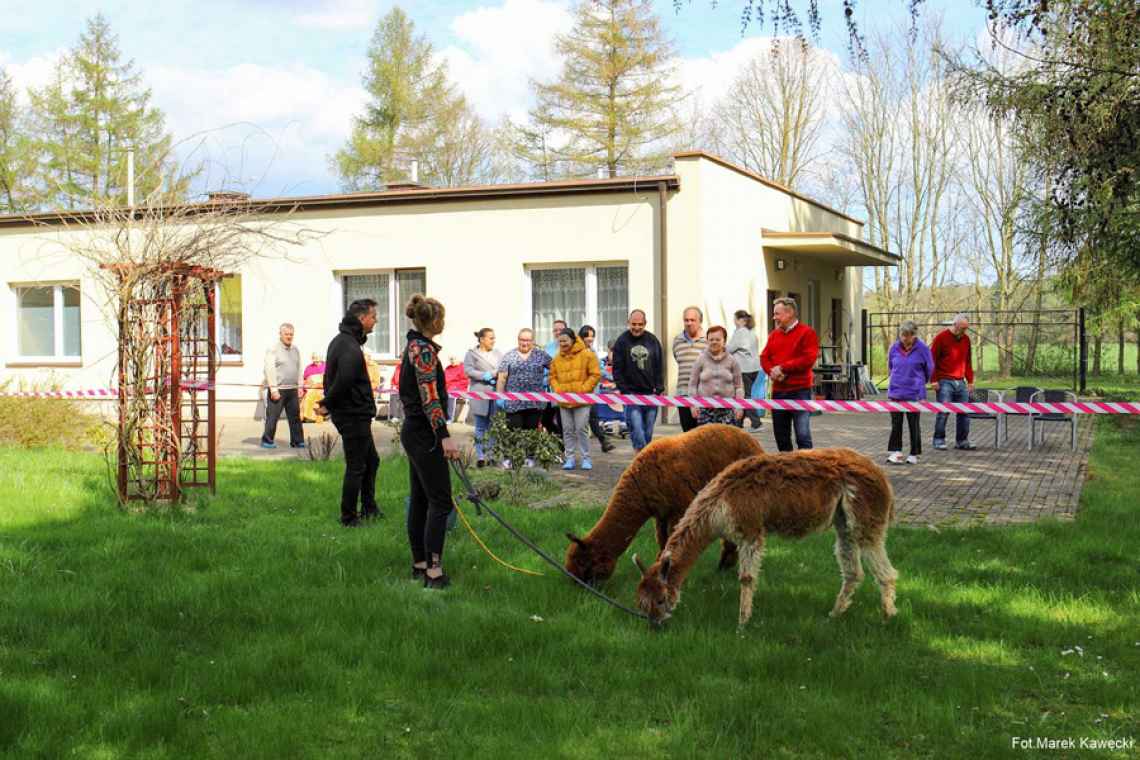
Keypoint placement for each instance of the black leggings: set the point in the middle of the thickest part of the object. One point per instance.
(912, 422)
(524, 419)
(431, 489)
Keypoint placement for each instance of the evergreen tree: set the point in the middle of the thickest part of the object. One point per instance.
(412, 107)
(88, 116)
(613, 102)
(16, 160)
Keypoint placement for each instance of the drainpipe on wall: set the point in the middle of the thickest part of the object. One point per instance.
(663, 260)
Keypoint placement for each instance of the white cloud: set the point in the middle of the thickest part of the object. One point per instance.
(501, 48)
(265, 129)
(337, 15)
(33, 73)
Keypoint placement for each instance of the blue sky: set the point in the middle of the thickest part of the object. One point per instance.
(264, 90)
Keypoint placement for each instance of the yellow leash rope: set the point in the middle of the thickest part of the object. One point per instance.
(482, 545)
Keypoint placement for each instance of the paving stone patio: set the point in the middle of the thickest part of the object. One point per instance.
(988, 486)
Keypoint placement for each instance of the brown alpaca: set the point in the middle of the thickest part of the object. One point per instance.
(658, 484)
(790, 495)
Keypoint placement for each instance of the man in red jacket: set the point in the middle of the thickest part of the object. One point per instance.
(787, 359)
(953, 379)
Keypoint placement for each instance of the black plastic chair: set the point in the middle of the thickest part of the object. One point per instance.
(987, 396)
(1023, 394)
(1053, 397)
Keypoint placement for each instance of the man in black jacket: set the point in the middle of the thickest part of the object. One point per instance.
(351, 404)
(639, 368)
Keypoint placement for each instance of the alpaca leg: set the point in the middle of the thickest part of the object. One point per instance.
(748, 570)
(850, 566)
(728, 556)
(885, 575)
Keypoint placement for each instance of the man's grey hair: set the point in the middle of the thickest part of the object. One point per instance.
(908, 327)
(959, 317)
(789, 303)
(697, 309)
(286, 326)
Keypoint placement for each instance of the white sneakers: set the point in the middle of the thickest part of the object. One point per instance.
(896, 457)
(912, 459)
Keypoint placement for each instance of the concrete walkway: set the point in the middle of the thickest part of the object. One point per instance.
(990, 486)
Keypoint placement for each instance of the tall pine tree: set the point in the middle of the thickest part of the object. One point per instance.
(411, 107)
(613, 102)
(96, 108)
(17, 163)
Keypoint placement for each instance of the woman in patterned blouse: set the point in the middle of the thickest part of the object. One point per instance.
(522, 370)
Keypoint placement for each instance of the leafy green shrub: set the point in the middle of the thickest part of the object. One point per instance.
(516, 446)
(50, 422)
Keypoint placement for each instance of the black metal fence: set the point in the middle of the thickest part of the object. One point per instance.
(1050, 342)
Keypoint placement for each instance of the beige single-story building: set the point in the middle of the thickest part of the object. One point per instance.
(710, 234)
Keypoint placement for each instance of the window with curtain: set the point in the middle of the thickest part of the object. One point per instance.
(613, 304)
(557, 294)
(408, 283)
(377, 287)
(228, 298)
(47, 322)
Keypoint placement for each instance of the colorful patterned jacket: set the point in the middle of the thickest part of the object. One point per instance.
(425, 400)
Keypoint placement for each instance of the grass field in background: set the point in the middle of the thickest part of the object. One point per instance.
(253, 626)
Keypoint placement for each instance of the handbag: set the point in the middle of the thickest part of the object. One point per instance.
(759, 390)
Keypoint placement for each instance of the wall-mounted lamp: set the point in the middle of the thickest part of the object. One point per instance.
(780, 265)
(839, 275)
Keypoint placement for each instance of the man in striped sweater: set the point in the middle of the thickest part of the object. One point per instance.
(686, 348)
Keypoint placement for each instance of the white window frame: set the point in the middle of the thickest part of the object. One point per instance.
(228, 358)
(591, 286)
(395, 310)
(57, 355)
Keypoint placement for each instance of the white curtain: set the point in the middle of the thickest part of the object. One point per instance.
(408, 283)
(613, 304)
(37, 321)
(374, 286)
(229, 309)
(557, 294)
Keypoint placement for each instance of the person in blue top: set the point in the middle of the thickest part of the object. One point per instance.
(911, 366)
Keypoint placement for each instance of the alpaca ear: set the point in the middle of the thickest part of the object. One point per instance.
(575, 539)
(666, 563)
(640, 565)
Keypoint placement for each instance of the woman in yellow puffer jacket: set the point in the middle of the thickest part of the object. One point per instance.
(574, 370)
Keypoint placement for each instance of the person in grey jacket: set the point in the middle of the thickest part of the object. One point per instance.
(283, 383)
(744, 346)
(481, 365)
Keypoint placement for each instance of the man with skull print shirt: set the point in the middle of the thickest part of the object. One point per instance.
(639, 368)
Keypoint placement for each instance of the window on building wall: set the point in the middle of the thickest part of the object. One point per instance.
(47, 322)
(227, 305)
(594, 295)
(391, 291)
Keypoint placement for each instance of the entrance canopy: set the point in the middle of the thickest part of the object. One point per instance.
(833, 248)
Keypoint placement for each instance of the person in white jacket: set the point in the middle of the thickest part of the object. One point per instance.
(745, 348)
(282, 390)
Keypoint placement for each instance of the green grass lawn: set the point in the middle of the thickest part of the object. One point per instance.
(255, 627)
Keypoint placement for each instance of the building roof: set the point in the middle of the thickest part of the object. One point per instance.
(831, 247)
(764, 181)
(403, 194)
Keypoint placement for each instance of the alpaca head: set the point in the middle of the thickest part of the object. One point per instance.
(588, 561)
(655, 595)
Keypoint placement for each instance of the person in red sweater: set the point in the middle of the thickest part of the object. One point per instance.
(456, 380)
(953, 379)
(787, 359)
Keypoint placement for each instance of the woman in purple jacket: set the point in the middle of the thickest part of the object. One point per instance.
(911, 366)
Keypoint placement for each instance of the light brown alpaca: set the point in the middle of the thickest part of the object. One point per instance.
(793, 495)
(659, 484)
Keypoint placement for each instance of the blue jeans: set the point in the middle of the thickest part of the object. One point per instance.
(782, 421)
(952, 390)
(640, 420)
(482, 425)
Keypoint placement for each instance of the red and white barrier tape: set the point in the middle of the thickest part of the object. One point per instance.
(715, 402)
